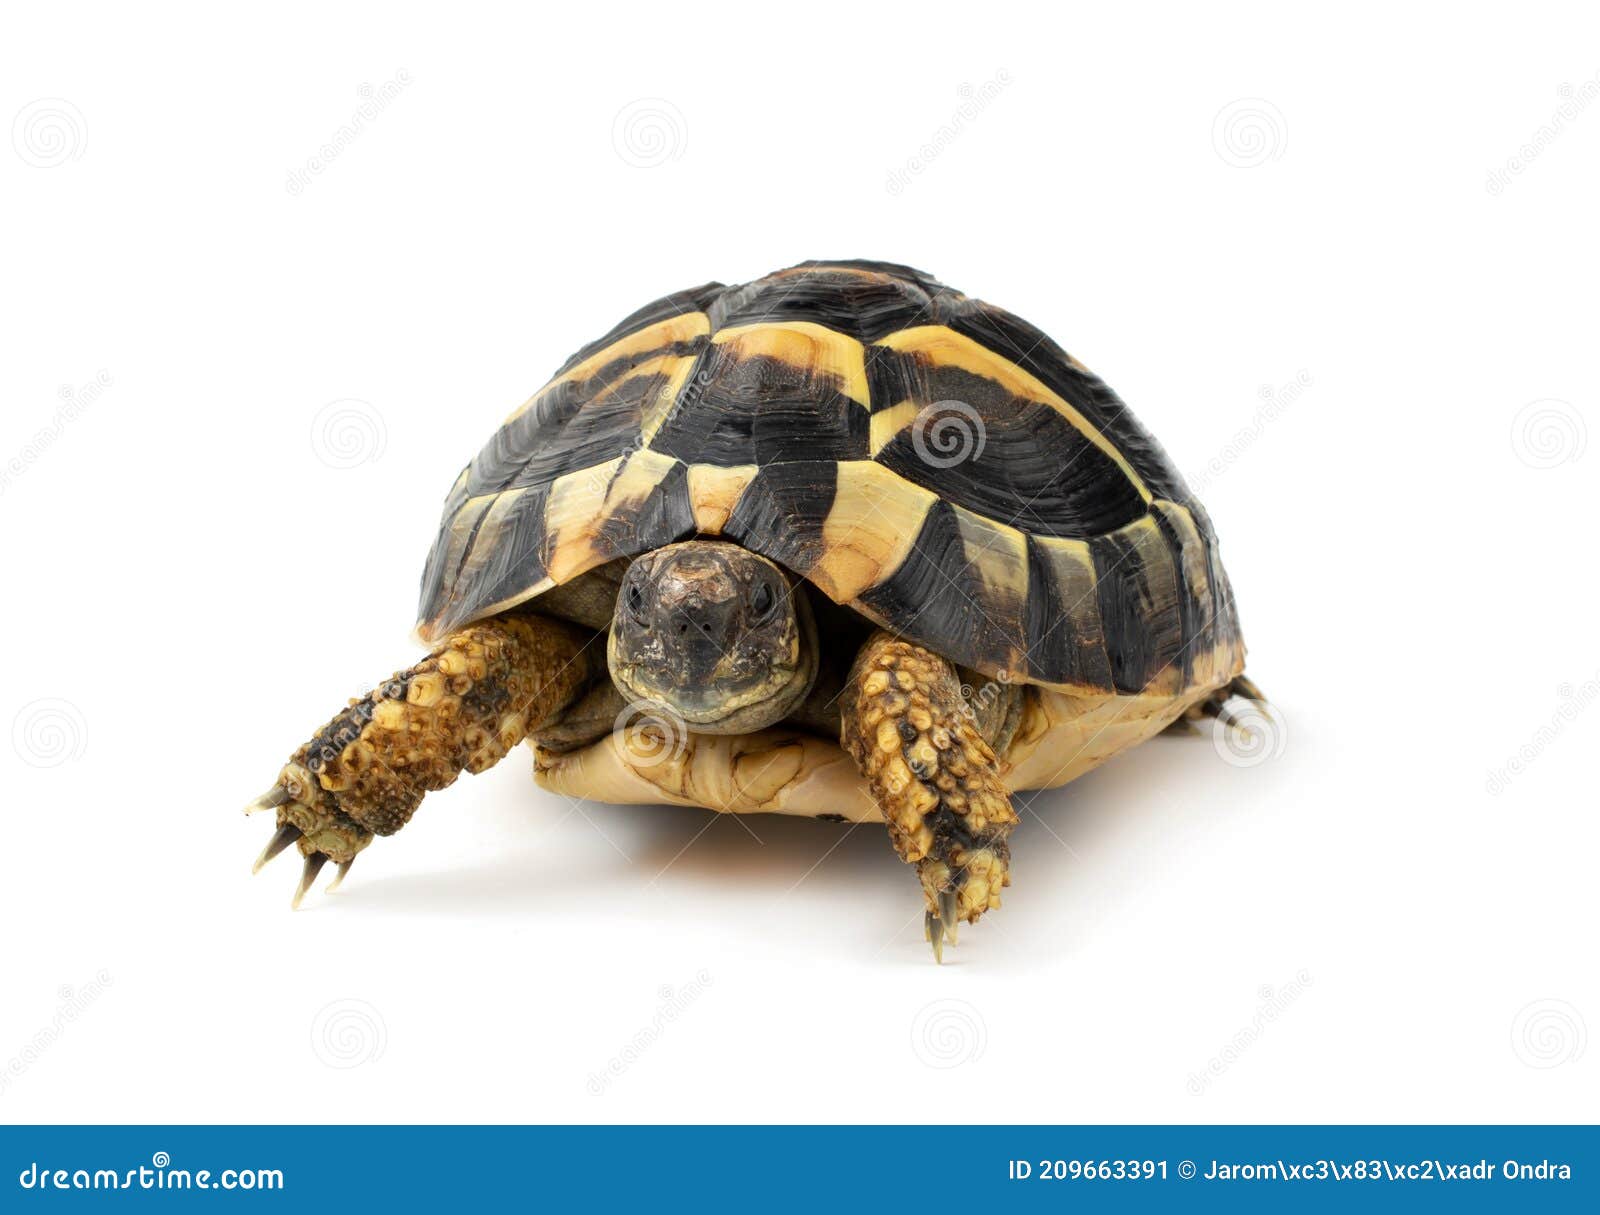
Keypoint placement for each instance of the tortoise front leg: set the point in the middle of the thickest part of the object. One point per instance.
(934, 777)
(460, 709)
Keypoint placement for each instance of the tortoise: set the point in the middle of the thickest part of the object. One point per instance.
(839, 542)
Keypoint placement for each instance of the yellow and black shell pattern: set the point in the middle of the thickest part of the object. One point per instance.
(932, 461)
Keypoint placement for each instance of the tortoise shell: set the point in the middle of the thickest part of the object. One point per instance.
(932, 461)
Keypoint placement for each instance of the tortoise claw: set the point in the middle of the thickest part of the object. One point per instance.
(314, 864)
(338, 877)
(939, 925)
(933, 927)
(942, 924)
(947, 913)
(281, 839)
(270, 800)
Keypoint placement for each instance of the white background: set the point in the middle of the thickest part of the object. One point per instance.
(1300, 229)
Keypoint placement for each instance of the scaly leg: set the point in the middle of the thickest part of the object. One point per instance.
(460, 709)
(934, 777)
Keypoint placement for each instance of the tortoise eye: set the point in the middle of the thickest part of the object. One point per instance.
(636, 605)
(764, 601)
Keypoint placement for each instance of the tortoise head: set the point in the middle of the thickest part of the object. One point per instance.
(718, 636)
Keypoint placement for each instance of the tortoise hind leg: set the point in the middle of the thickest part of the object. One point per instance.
(460, 709)
(934, 777)
(1216, 705)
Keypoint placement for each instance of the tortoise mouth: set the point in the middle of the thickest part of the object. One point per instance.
(720, 707)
